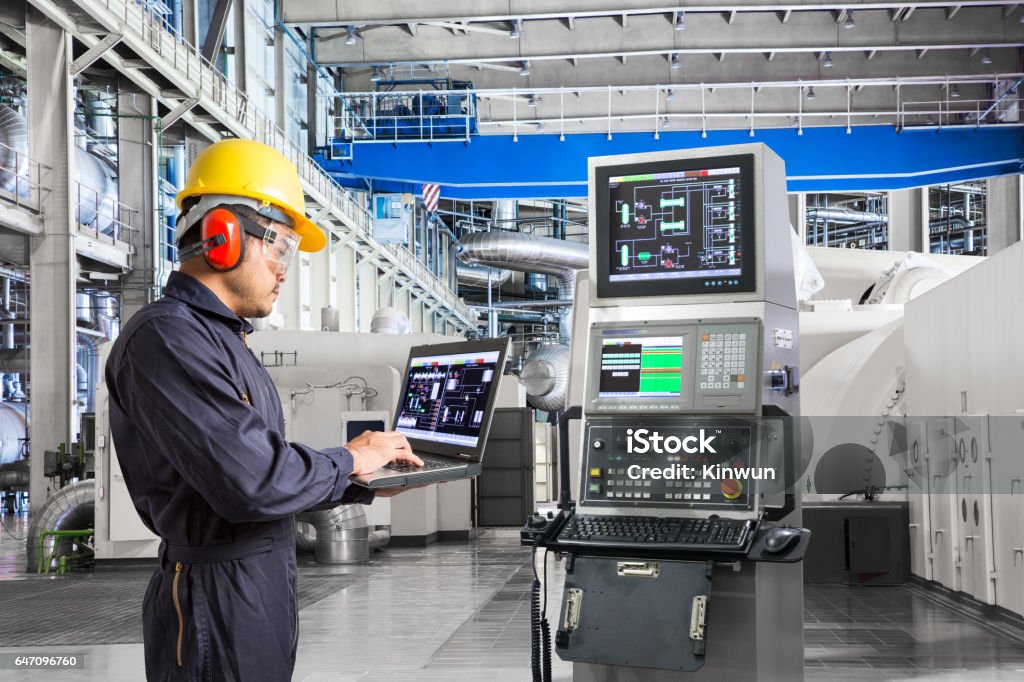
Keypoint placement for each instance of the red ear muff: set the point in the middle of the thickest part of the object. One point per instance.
(222, 229)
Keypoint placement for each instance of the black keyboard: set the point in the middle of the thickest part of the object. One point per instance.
(428, 465)
(658, 534)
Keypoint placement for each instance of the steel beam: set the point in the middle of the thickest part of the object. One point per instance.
(52, 262)
(177, 112)
(94, 53)
(215, 32)
(137, 171)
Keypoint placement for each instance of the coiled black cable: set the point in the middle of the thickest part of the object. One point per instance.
(535, 621)
(540, 632)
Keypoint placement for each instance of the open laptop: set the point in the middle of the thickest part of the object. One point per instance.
(445, 410)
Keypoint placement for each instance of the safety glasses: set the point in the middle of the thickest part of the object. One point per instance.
(279, 249)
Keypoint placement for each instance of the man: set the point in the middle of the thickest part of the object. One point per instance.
(199, 430)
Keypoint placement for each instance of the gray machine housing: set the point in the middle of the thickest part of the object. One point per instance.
(755, 609)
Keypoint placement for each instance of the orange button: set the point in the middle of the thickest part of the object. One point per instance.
(739, 377)
(707, 337)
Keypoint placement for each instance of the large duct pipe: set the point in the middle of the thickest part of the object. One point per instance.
(13, 430)
(546, 378)
(13, 152)
(95, 199)
(846, 215)
(527, 253)
(505, 213)
(342, 535)
(478, 277)
(71, 508)
(14, 476)
(390, 321)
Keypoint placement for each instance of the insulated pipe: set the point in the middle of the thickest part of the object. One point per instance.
(71, 508)
(846, 215)
(342, 535)
(14, 476)
(13, 429)
(478, 276)
(95, 202)
(546, 377)
(528, 253)
(13, 152)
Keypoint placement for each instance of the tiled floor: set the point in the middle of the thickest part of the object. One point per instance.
(461, 612)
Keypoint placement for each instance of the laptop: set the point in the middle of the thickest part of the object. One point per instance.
(445, 410)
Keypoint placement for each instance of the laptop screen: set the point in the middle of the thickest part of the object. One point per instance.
(449, 393)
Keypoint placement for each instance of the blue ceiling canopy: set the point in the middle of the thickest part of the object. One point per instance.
(820, 159)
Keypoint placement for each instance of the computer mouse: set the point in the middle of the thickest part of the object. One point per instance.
(779, 540)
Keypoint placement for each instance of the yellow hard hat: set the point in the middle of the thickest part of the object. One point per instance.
(246, 168)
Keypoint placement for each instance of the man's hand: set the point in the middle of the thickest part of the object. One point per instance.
(373, 449)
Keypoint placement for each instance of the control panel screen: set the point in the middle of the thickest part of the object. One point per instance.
(677, 224)
(642, 367)
(676, 228)
(446, 397)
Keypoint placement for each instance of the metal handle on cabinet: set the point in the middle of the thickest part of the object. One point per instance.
(968, 538)
(938, 532)
(1012, 481)
(1016, 551)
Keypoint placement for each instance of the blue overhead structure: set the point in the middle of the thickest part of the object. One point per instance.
(427, 109)
(819, 160)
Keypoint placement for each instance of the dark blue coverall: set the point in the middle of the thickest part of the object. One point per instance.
(199, 433)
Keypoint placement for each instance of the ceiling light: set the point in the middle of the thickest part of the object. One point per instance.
(669, 95)
(375, 76)
(675, 61)
(666, 122)
(517, 29)
(532, 101)
(680, 21)
(525, 71)
(350, 39)
(955, 92)
(849, 23)
(810, 93)
(986, 57)
(827, 62)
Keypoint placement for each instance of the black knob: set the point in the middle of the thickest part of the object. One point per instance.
(598, 444)
(537, 522)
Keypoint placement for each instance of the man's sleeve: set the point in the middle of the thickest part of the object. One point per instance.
(175, 384)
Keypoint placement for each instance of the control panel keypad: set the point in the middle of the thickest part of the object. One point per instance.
(723, 361)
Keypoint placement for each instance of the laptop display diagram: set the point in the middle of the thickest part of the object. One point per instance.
(445, 410)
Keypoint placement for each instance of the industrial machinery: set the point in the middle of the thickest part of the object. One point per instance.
(683, 554)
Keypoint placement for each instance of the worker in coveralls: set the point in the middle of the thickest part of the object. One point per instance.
(199, 430)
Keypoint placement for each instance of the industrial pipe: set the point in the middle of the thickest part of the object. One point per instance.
(528, 253)
(546, 378)
(71, 508)
(481, 277)
(342, 535)
(14, 476)
(846, 215)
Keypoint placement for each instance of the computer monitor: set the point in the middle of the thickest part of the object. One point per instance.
(675, 227)
(446, 404)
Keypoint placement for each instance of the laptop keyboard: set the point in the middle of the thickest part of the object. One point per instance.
(428, 464)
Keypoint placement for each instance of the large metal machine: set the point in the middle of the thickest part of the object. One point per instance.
(683, 549)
